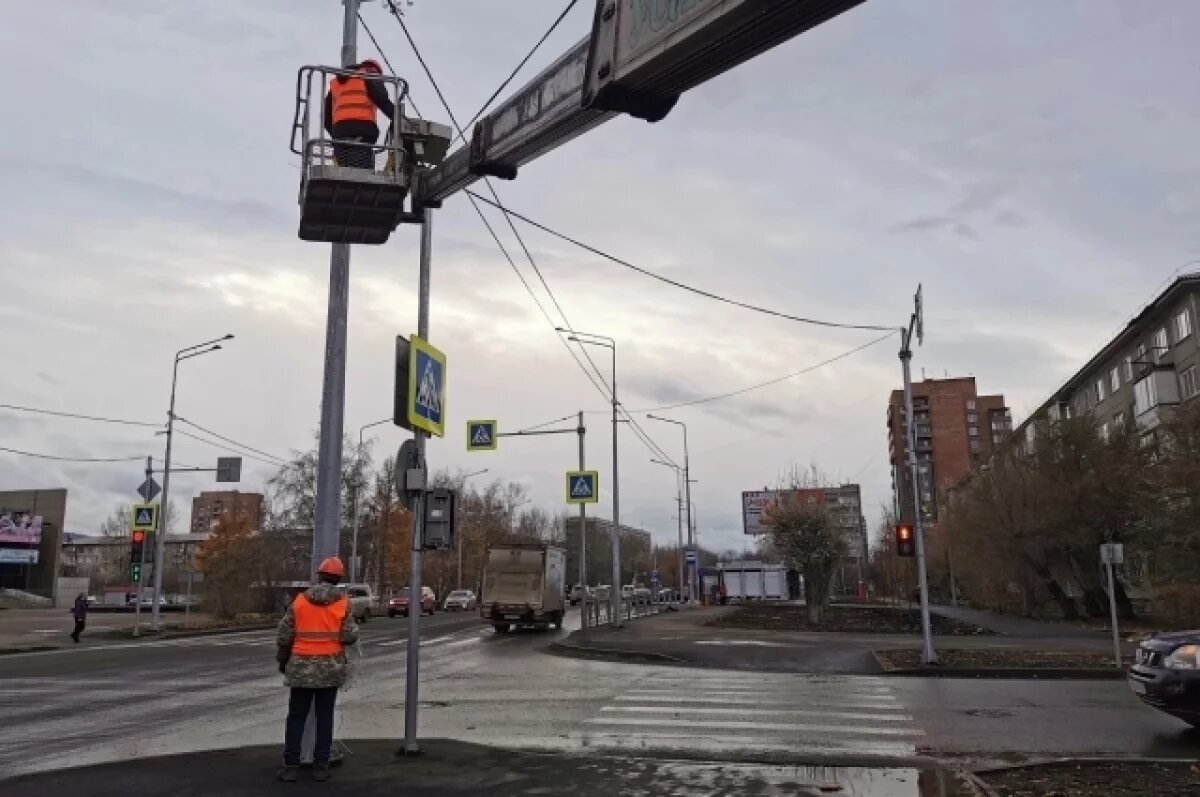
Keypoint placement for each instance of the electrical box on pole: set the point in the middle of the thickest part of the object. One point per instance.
(439, 508)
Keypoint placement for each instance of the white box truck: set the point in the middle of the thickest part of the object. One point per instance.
(523, 585)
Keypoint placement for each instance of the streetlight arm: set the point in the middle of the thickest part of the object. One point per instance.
(228, 336)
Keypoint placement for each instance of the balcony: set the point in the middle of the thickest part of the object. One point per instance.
(1155, 393)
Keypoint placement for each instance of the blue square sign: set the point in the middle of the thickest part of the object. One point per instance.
(583, 487)
(427, 387)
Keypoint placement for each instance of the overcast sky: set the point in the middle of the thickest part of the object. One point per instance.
(1034, 165)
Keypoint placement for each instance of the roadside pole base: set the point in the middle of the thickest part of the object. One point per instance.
(405, 752)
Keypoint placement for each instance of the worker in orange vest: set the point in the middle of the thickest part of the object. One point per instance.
(312, 640)
(350, 106)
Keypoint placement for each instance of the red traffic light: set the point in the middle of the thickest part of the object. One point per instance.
(905, 544)
(904, 532)
(139, 536)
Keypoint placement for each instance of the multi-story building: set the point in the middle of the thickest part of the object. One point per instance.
(636, 551)
(105, 560)
(1147, 369)
(956, 428)
(845, 503)
(209, 509)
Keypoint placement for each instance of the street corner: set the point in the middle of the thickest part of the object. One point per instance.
(1084, 777)
(375, 768)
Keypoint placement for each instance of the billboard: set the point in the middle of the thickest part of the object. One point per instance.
(20, 537)
(755, 504)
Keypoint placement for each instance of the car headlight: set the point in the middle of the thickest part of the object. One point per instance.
(1186, 657)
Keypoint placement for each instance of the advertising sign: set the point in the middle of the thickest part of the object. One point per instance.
(20, 528)
(756, 503)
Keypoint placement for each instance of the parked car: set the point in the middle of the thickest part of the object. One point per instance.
(362, 601)
(460, 600)
(602, 592)
(399, 602)
(1166, 674)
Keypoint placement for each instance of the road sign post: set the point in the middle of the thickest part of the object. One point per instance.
(481, 436)
(1111, 555)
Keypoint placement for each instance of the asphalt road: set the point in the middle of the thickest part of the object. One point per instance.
(119, 701)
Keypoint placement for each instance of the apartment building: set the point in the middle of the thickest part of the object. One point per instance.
(209, 509)
(956, 428)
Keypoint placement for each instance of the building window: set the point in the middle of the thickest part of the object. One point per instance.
(1145, 395)
(1187, 382)
(1104, 432)
(972, 417)
(1183, 325)
(1129, 369)
(1099, 390)
(1114, 380)
(1160, 343)
(973, 431)
(970, 404)
(974, 446)
(1118, 421)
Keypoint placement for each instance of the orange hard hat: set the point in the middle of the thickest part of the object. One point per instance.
(371, 63)
(333, 567)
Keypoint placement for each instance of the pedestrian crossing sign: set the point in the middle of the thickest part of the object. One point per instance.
(145, 517)
(481, 435)
(426, 387)
(583, 487)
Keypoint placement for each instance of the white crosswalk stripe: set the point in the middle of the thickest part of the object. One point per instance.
(799, 714)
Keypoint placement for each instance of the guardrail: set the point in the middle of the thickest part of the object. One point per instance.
(599, 611)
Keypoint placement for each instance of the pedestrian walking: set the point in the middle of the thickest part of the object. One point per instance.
(723, 593)
(79, 612)
(312, 640)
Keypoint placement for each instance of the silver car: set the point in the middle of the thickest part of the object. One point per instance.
(460, 599)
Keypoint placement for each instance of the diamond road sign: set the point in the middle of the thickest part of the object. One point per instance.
(583, 487)
(426, 387)
(149, 489)
(481, 435)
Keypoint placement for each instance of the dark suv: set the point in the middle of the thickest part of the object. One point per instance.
(1166, 674)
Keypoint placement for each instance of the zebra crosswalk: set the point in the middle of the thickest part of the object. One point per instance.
(755, 713)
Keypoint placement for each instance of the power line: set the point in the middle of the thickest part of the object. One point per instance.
(674, 283)
(521, 65)
(181, 419)
(770, 382)
(70, 459)
(641, 433)
(570, 417)
(199, 439)
(383, 55)
(79, 416)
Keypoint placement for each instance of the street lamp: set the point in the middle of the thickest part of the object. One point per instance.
(207, 347)
(678, 513)
(606, 342)
(687, 486)
(459, 533)
(512, 510)
(359, 484)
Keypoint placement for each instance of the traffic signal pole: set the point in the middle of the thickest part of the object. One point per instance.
(928, 655)
(137, 606)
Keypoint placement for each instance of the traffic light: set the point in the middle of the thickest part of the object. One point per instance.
(137, 540)
(905, 543)
(135, 573)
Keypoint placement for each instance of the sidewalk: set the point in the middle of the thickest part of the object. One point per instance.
(1021, 627)
(28, 630)
(447, 768)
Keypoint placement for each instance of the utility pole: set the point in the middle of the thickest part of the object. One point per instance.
(687, 482)
(328, 520)
(583, 597)
(137, 606)
(916, 323)
(411, 674)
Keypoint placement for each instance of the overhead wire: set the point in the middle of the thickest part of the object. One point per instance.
(200, 439)
(675, 283)
(641, 434)
(252, 449)
(572, 416)
(57, 458)
(79, 416)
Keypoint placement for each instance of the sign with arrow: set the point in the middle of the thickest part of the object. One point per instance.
(149, 489)
(145, 517)
(426, 387)
(583, 487)
(481, 436)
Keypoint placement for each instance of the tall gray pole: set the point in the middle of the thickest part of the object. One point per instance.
(414, 578)
(679, 519)
(137, 606)
(583, 598)
(687, 488)
(327, 523)
(928, 656)
(161, 532)
(615, 597)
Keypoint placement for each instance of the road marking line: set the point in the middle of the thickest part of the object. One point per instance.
(788, 695)
(393, 642)
(726, 742)
(799, 727)
(742, 712)
(890, 704)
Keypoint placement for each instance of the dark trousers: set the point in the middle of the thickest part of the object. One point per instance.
(356, 157)
(298, 706)
(79, 624)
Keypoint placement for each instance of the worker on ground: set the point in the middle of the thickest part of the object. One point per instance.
(350, 106)
(312, 640)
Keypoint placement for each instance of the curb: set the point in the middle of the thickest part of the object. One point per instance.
(611, 654)
(30, 649)
(1028, 673)
(183, 634)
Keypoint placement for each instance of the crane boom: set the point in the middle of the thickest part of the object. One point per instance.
(639, 58)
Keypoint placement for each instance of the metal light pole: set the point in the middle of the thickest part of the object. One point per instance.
(583, 580)
(358, 488)
(678, 514)
(459, 535)
(206, 347)
(916, 323)
(327, 521)
(687, 482)
(606, 342)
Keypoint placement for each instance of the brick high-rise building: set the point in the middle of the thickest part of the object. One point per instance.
(956, 428)
(209, 509)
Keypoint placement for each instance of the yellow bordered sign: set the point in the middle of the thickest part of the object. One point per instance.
(583, 487)
(426, 387)
(481, 436)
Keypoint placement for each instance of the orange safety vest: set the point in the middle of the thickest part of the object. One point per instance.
(319, 628)
(351, 103)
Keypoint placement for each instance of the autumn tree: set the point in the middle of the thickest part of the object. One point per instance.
(232, 563)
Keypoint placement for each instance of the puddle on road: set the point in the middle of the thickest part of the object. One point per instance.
(688, 778)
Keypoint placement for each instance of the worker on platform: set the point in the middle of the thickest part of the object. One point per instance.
(350, 107)
(312, 640)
